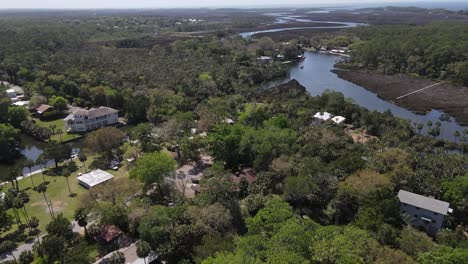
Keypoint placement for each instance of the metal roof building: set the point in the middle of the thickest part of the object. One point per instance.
(424, 202)
(96, 177)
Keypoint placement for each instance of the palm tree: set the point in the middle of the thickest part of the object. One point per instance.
(42, 188)
(143, 250)
(52, 128)
(83, 158)
(60, 131)
(81, 217)
(18, 204)
(42, 162)
(30, 164)
(66, 173)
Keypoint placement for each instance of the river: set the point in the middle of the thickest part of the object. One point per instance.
(287, 19)
(31, 149)
(315, 73)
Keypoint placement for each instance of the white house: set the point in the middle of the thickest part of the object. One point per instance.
(323, 116)
(426, 213)
(338, 119)
(96, 177)
(85, 120)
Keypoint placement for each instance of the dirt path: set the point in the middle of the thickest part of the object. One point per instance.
(451, 99)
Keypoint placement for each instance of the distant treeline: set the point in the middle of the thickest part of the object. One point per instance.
(438, 51)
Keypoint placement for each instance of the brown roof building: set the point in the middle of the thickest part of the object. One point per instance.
(43, 108)
(110, 233)
(248, 174)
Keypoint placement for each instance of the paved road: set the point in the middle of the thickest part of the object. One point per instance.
(29, 245)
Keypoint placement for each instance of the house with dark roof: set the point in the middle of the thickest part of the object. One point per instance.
(247, 174)
(425, 213)
(42, 109)
(83, 120)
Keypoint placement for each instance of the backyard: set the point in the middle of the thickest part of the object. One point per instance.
(58, 126)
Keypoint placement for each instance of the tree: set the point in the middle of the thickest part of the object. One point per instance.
(143, 250)
(59, 103)
(66, 173)
(152, 168)
(9, 142)
(169, 232)
(6, 220)
(143, 133)
(224, 144)
(83, 158)
(81, 217)
(16, 115)
(413, 242)
(30, 164)
(445, 255)
(53, 246)
(42, 188)
(7, 247)
(60, 132)
(104, 141)
(42, 162)
(298, 190)
(57, 152)
(26, 257)
(117, 258)
(60, 226)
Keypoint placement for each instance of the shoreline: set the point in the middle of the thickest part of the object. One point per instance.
(446, 97)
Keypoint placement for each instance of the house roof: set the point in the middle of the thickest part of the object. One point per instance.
(248, 174)
(42, 108)
(95, 177)
(338, 119)
(323, 116)
(109, 233)
(424, 202)
(95, 112)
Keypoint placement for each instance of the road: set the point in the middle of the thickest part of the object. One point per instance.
(29, 245)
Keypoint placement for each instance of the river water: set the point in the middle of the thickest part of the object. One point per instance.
(315, 74)
(31, 149)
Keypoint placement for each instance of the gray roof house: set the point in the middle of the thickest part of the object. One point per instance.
(83, 120)
(426, 213)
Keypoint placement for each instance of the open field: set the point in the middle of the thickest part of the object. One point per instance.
(448, 98)
(58, 194)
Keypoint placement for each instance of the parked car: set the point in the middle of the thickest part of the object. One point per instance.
(114, 165)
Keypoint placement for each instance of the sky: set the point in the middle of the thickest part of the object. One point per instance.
(84, 4)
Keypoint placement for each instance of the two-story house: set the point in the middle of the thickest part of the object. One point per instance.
(425, 213)
(85, 120)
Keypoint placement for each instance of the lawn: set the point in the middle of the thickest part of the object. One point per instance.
(57, 193)
(59, 124)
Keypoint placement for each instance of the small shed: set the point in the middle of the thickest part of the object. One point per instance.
(96, 177)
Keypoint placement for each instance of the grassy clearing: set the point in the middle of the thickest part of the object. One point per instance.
(58, 194)
(59, 124)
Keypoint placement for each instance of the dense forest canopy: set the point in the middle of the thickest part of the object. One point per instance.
(277, 185)
(438, 51)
